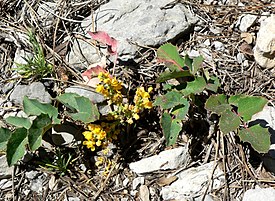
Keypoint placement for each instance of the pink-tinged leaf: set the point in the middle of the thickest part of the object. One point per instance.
(93, 72)
(104, 38)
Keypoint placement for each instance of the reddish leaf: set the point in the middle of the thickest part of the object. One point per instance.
(104, 38)
(93, 72)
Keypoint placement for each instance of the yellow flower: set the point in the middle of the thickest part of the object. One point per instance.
(98, 143)
(88, 135)
(136, 116)
(147, 104)
(130, 121)
(150, 89)
(90, 145)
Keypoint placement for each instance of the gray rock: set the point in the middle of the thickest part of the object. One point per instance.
(93, 96)
(45, 11)
(169, 159)
(259, 194)
(7, 87)
(19, 56)
(31, 174)
(145, 22)
(240, 58)
(82, 54)
(5, 170)
(34, 91)
(37, 185)
(219, 46)
(264, 51)
(65, 134)
(246, 21)
(193, 182)
(138, 181)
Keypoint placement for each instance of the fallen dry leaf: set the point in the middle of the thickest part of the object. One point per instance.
(164, 181)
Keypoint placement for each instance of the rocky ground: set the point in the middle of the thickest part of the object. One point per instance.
(235, 37)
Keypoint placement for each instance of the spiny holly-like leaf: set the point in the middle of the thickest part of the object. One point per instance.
(171, 129)
(250, 105)
(180, 111)
(217, 103)
(229, 121)
(194, 87)
(104, 38)
(197, 63)
(16, 146)
(166, 75)
(257, 136)
(19, 122)
(38, 128)
(168, 54)
(170, 99)
(4, 137)
(86, 110)
(213, 84)
(34, 107)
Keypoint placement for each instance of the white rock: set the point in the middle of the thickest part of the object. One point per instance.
(219, 46)
(72, 199)
(138, 181)
(37, 185)
(240, 58)
(146, 22)
(31, 174)
(45, 11)
(5, 170)
(169, 159)
(193, 182)
(259, 194)
(267, 115)
(246, 21)
(19, 57)
(5, 183)
(65, 134)
(125, 182)
(264, 51)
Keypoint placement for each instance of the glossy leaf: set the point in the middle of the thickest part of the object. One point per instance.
(166, 75)
(16, 146)
(181, 111)
(250, 105)
(229, 121)
(257, 136)
(194, 87)
(197, 63)
(217, 103)
(171, 129)
(168, 54)
(213, 84)
(170, 100)
(4, 137)
(19, 122)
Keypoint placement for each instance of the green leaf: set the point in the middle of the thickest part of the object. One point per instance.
(234, 100)
(168, 54)
(229, 121)
(4, 137)
(188, 62)
(180, 111)
(197, 63)
(19, 122)
(170, 99)
(16, 146)
(38, 128)
(34, 107)
(86, 110)
(213, 84)
(257, 136)
(250, 105)
(171, 129)
(217, 103)
(167, 75)
(194, 87)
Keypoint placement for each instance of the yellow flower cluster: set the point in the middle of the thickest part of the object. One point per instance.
(103, 161)
(109, 87)
(99, 135)
(129, 113)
